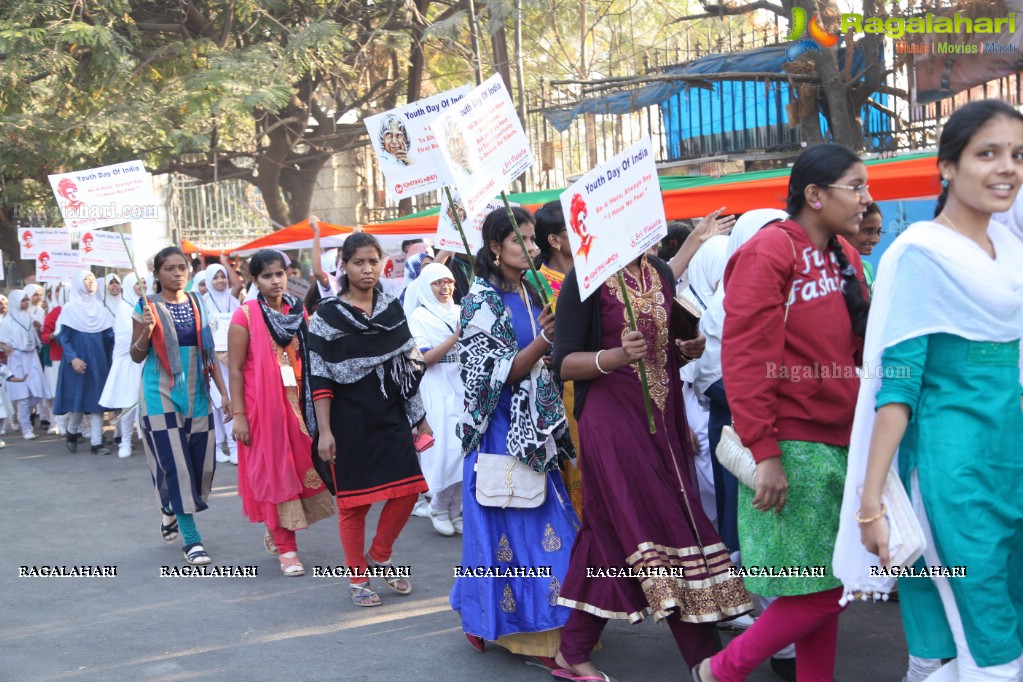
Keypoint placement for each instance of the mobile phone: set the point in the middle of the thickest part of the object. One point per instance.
(423, 441)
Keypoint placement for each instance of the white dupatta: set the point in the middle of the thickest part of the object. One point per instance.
(931, 280)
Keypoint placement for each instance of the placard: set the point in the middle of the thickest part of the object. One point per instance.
(220, 323)
(483, 143)
(447, 233)
(101, 197)
(35, 240)
(104, 248)
(58, 265)
(614, 213)
(298, 288)
(405, 147)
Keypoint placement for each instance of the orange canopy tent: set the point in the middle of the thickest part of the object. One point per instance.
(191, 249)
(297, 236)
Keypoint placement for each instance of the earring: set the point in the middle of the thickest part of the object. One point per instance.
(497, 260)
(816, 204)
(558, 247)
(944, 183)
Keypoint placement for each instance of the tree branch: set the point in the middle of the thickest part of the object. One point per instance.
(732, 10)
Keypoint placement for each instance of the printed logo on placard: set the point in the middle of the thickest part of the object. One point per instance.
(87, 242)
(398, 189)
(44, 261)
(578, 223)
(27, 238)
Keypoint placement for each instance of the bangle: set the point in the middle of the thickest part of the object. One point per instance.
(543, 333)
(241, 412)
(141, 350)
(864, 522)
(596, 361)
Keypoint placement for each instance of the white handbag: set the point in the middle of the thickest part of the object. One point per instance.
(906, 541)
(737, 458)
(503, 481)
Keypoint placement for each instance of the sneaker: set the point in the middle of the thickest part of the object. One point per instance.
(124, 453)
(740, 623)
(44, 424)
(422, 508)
(100, 450)
(222, 458)
(30, 435)
(3, 444)
(442, 523)
(785, 668)
(71, 442)
(233, 458)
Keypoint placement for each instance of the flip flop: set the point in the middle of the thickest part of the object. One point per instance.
(566, 675)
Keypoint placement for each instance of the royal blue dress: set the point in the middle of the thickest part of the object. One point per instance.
(538, 538)
(80, 392)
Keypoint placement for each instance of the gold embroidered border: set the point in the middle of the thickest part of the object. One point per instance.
(648, 306)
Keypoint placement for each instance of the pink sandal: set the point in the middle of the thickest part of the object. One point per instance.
(290, 565)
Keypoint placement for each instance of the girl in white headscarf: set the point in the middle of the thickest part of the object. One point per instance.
(37, 308)
(702, 277)
(112, 294)
(220, 300)
(121, 391)
(88, 341)
(19, 335)
(433, 320)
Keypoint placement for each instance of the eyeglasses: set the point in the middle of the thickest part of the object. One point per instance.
(859, 189)
(873, 233)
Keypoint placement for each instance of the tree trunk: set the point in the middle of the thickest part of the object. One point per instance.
(417, 64)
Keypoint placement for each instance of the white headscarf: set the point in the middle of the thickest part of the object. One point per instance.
(706, 270)
(707, 369)
(128, 294)
(201, 277)
(36, 312)
(931, 280)
(4, 299)
(219, 301)
(443, 318)
(111, 302)
(84, 312)
(16, 329)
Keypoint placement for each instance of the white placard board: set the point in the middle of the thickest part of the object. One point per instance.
(58, 265)
(101, 197)
(614, 213)
(35, 240)
(409, 156)
(447, 233)
(483, 144)
(99, 247)
(220, 323)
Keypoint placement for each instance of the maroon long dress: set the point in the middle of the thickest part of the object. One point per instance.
(642, 504)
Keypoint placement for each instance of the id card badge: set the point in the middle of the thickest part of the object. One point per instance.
(288, 376)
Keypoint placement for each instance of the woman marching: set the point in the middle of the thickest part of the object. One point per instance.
(59, 295)
(364, 369)
(172, 337)
(513, 413)
(220, 298)
(18, 334)
(642, 507)
(942, 406)
(121, 391)
(795, 304)
(277, 482)
(433, 321)
(87, 337)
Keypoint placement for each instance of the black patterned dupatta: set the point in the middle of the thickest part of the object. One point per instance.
(345, 345)
(283, 328)
(538, 433)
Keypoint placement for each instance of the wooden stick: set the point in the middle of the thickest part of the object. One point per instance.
(461, 232)
(522, 243)
(642, 365)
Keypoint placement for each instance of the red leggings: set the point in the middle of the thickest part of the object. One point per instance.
(352, 523)
(285, 540)
(809, 620)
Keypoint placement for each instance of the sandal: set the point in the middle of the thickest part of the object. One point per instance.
(568, 675)
(196, 554)
(268, 542)
(394, 582)
(169, 531)
(362, 595)
(702, 672)
(290, 565)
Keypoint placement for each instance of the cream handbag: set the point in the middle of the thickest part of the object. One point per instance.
(503, 481)
(737, 458)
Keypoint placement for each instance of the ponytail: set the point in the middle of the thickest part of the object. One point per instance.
(857, 305)
(942, 198)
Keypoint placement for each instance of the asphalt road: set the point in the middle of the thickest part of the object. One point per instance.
(63, 509)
